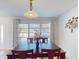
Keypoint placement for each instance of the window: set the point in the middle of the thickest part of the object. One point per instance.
(45, 30)
(28, 30)
(33, 28)
(22, 30)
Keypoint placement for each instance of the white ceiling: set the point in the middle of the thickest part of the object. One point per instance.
(44, 8)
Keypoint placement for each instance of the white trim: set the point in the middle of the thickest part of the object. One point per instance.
(2, 39)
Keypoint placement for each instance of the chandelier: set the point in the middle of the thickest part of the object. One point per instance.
(30, 13)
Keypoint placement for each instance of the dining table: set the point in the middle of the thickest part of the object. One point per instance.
(37, 54)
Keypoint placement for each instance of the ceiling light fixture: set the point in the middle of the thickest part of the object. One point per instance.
(30, 13)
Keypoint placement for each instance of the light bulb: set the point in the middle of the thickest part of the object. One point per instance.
(30, 14)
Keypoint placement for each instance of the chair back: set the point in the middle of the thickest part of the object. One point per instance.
(54, 52)
(51, 52)
(22, 54)
(45, 50)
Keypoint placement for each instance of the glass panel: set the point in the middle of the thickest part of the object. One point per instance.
(45, 26)
(22, 30)
(31, 30)
(34, 25)
(31, 35)
(45, 30)
(45, 34)
(22, 25)
(34, 30)
(23, 35)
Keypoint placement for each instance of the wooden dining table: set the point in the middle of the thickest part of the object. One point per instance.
(39, 54)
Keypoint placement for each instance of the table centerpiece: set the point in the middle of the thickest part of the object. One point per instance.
(37, 38)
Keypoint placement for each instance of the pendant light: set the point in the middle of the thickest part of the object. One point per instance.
(30, 13)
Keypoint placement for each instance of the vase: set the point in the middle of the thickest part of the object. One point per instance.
(37, 46)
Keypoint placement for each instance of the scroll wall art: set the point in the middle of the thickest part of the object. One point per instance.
(72, 23)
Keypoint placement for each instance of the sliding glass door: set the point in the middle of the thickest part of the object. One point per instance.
(28, 30)
(25, 31)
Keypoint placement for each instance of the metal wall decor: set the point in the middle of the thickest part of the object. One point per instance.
(72, 23)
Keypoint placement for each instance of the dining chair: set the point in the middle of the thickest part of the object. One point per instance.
(54, 53)
(21, 54)
(51, 52)
(44, 51)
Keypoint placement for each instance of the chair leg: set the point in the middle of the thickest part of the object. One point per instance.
(41, 57)
(57, 58)
(35, 57)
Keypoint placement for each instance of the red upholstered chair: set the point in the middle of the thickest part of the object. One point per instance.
(21, 54)
(51, 52)
(54, 53)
